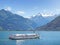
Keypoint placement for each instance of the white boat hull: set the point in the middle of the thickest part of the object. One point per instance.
(23, 36)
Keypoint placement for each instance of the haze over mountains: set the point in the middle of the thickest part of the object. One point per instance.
(54, 25)
(10, 21)
(40, 20)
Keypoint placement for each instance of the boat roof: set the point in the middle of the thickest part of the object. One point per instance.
(23, 34)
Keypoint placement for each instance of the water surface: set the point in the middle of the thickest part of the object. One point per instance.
(46, 38)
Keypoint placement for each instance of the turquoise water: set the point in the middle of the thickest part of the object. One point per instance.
(46, 38)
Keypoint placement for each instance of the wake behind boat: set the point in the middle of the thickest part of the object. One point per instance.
(23, 36)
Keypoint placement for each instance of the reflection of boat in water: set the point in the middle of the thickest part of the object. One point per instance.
(23, 36)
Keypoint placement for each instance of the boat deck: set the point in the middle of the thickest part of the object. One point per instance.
(23, 36)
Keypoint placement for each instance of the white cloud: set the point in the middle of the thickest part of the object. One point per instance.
(27, 17)
(47, 15)
(8, 8)
(20, 12)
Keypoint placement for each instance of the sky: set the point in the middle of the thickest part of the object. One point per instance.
(28, 8)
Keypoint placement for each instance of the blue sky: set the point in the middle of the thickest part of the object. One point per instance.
(28, 8)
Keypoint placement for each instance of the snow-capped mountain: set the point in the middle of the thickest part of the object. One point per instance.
(41, 20)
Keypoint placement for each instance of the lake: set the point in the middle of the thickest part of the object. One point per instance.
(46, 38)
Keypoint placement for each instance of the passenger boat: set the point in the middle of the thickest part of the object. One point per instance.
(23, 36)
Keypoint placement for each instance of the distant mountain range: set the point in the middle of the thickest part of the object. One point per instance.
(40, 20)
(54, 25)
(10, 21)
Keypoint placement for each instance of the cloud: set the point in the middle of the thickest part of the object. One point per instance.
(8, 8)
(50, 12)
(20, 12)
(48, 15)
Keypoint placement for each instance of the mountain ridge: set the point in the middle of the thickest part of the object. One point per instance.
(54, 25)
(10, 21)
(40, 20)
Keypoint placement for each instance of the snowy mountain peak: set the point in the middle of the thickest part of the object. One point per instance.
(37, 15)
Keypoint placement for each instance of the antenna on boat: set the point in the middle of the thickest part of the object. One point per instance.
(33, 31)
